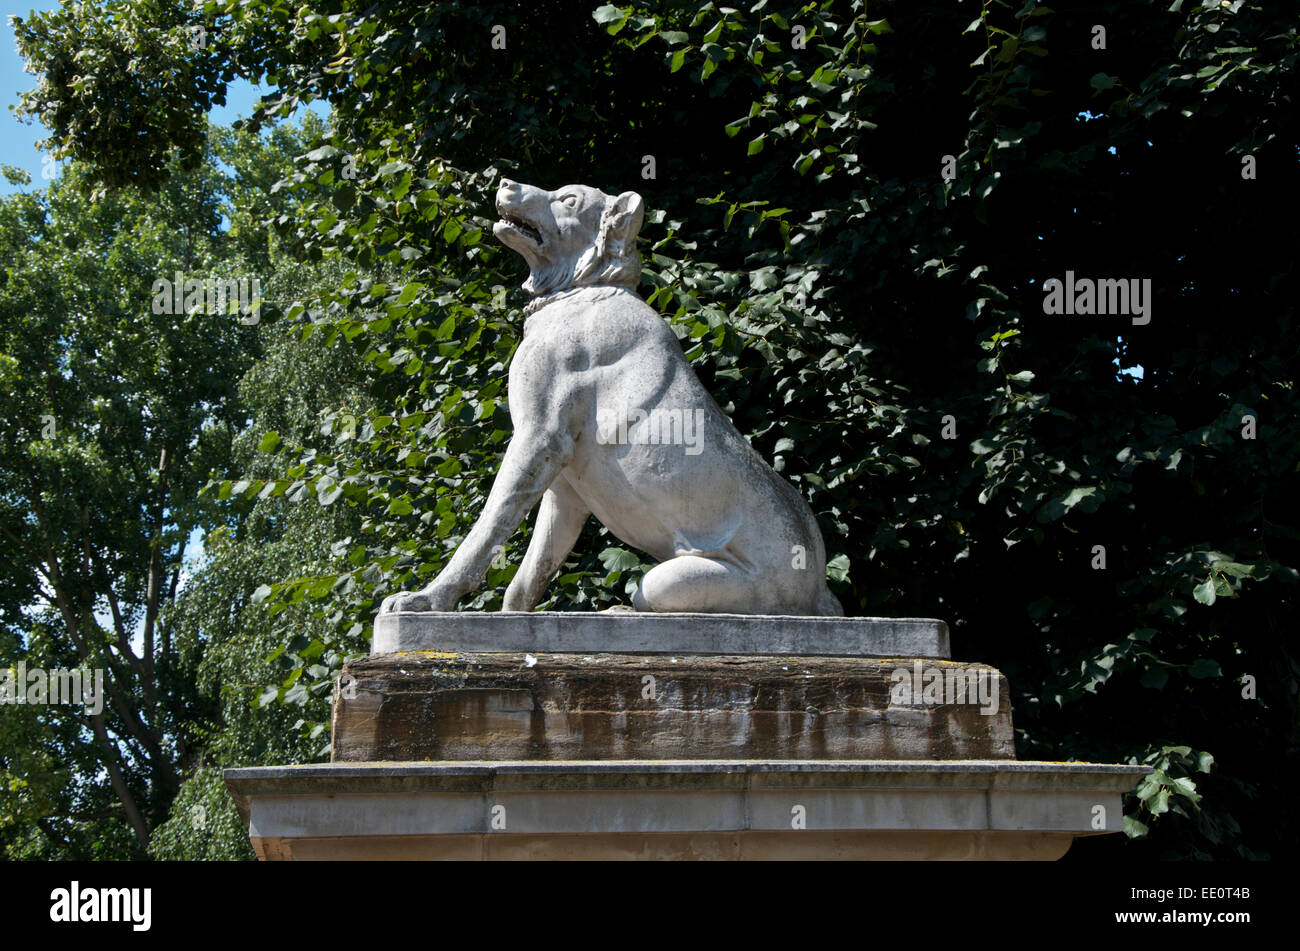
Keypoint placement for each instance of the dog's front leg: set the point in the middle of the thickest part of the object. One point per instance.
(531, 463)
(559, 523)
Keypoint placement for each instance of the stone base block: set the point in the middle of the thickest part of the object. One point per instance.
(681, 847)
(631, 632)
(426, 705)
(679, 810)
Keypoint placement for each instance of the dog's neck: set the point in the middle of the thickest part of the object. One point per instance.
(597, 292)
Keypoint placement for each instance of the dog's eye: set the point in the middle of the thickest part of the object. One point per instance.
(570, 200)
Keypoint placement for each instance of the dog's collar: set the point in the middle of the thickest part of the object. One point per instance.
(537, 303)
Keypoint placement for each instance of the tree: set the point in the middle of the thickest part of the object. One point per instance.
(237, 646)
(856, 209)
(122, 409)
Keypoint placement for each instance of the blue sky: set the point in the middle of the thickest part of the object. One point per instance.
(17, 140)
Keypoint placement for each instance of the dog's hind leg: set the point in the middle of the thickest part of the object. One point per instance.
(560, 518)
(690, 583)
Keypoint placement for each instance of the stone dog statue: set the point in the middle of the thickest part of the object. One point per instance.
(610, 420)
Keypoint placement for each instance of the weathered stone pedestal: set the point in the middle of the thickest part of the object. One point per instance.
(436, 706)
(595, 736)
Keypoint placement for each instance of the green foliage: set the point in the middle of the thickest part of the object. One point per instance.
(87, 92)
(850, 306)
(118, 415)
(203, 825)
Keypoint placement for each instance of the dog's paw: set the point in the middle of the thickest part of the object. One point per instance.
(435, 597)
(405, 601)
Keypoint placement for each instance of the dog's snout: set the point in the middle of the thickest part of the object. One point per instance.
(508, 193)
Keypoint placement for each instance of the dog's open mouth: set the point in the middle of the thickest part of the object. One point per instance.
(523, 227)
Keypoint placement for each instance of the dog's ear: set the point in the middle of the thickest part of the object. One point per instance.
(623, 218)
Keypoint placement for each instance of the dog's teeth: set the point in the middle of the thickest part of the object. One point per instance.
(523, 227)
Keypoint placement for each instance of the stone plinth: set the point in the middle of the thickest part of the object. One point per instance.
(678, 810)
(426, 705)
(620, 735)
(629, 632)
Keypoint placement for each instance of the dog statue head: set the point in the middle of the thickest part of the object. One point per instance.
(571, 237)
